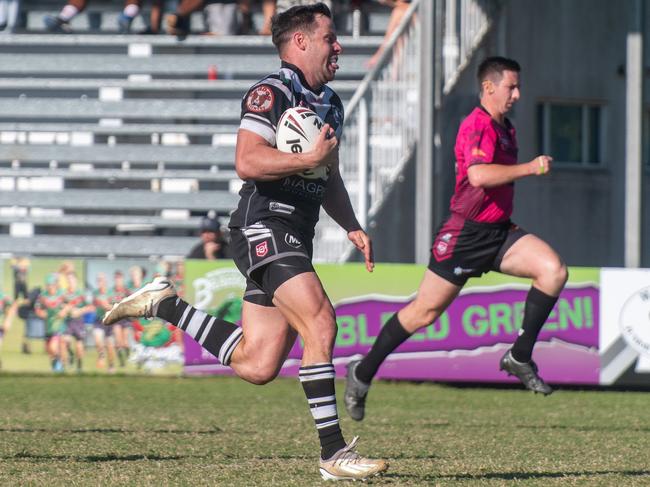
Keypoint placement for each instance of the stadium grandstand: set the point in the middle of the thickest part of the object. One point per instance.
(116, 145)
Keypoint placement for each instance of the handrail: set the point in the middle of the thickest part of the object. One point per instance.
(387, 52)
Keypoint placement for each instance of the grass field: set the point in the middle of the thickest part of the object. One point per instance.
(126, 430)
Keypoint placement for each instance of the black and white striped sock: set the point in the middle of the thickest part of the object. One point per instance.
(217, 336)
(318, 382)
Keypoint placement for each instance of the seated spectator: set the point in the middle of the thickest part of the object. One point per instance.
(246, 26)
(61, 22)
(178, 23)
(399, 9)
(220, 17)
(155, 18)
(282, 5)
(9, 10)
(212, 245)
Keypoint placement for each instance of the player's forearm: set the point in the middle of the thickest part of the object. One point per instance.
(338, 206)
(492, 175)
(268, 164)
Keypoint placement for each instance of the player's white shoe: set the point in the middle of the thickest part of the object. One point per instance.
(347, 464)
(143, 303)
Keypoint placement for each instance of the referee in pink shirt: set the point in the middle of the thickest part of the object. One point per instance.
(478, 237)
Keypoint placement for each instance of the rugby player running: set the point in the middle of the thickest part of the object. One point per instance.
(271, 238)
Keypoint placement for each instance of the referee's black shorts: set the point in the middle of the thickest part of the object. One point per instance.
(268, 256)
(464, 248)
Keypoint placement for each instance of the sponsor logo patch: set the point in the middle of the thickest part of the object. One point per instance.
(292, 241)
(459, 271)
(261, 249)
(260, 99)
(441, 247)
(281, 208)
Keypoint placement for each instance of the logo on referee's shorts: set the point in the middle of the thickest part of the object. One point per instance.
(261, 249)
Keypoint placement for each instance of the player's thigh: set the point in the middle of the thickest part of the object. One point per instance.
(304, 303)
(267, 334)
(436, 292)
(532, 257)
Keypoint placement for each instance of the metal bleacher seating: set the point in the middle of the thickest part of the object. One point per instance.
(116, 145)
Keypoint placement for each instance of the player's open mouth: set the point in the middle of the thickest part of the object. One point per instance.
(332, 63)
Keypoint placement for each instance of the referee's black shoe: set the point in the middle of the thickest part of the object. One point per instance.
(355, 393)
(526, 372)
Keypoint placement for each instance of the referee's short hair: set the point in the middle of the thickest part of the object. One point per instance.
(300, 17)
(493, 67)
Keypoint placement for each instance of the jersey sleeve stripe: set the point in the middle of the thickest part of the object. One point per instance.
(264, 130)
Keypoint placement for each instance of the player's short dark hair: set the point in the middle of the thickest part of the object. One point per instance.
(300, 17)
(495, 65)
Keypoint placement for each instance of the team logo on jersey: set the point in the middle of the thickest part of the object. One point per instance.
(292, 241)
(261, 249)
(441, 247)
(260, 99)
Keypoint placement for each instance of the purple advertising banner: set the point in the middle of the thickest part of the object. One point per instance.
(468, 340)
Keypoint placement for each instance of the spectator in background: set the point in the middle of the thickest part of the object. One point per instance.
(103, 335)
(61, 22)
(9, 10)
(220, 17)
(283, 5)
(246, 26)
(50, 307)
(76, 306)
(212, 245)
(20, 267)
(399, 9)
(155, 18)
(118, 292)
(8, 309)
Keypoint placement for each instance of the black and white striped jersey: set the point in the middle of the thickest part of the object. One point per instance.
(294, 200)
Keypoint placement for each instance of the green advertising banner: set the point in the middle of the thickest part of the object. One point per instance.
(465, 344)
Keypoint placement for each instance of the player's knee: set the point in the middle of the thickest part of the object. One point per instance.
(261, 376)
(555, 273)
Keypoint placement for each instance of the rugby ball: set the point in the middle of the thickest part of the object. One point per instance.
(297, 130)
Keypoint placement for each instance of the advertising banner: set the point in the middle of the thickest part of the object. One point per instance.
(465, 344)
(625, 327)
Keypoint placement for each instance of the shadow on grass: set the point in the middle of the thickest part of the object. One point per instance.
(562, 427)
(214, 431)
(93, 458)
(518, 475)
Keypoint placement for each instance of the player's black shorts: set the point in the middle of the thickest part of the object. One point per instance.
(268, 257)
(463, 248)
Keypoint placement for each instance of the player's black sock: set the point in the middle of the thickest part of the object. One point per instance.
(318, 382)
(217, 336)
(392, 335)
(538, 307)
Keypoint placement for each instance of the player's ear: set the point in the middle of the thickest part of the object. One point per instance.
(300, 40)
